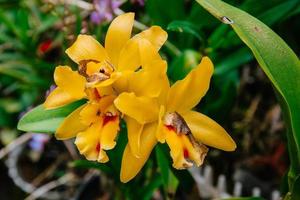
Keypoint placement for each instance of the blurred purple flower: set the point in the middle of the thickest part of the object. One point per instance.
(104, 10)
(38, 141)
(51, 88)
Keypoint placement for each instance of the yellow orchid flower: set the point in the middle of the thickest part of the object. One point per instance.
(103, 66)
(123, 65)
(95, 126)
(170, 119)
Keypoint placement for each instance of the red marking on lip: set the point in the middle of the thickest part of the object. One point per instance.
(44, 46)
(98, 147)
(170, 128)
(96, 93)
(108, 118)
(186, 153)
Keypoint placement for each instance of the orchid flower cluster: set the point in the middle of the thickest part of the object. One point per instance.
(126, 79)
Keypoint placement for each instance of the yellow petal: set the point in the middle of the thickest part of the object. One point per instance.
(129, 59)
(147, 52)
(58, 98)
(93, 67)
(131, 165)
(150, 82)
(155, 35)
(93, 111)
(70, 81)
(121, 84)
(86, 48)
(89, 113)
(102, 156)
(113, 77)
(161, 132)
(137, 52)
(71, 125)
(208, 132)
(94, 94)
(134, 131)
(186, 94)
(193, 151)
(88, 143)
(142, 109)
(70, 87)
(118, 34)
(110, 129)
(106, 102)
(106, 91)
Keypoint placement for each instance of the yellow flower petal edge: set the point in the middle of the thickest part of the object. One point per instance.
(147, 52)
(86, 47)
(71, 125)
(142, 109)
(131, 165)
(183, 151)
(155, 34)
(149, 82)
(134, 131)
(70, 87)
(88, 144)
(58, 98)
(119, 32)
(110, 129)
(209, 132)
(137, 52)
(186, 94)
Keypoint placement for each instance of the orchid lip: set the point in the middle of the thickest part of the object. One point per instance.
(103, 73)
(177, 122)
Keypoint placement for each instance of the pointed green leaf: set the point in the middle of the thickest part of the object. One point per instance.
(278, 61)
(170, 181)
(185, 27)
(40, 120)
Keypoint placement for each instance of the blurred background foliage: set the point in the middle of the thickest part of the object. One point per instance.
(35, 33)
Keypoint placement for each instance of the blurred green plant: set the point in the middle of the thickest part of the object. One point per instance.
(280, 64)
(26, 74)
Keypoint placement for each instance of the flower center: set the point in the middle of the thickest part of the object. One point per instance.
(95, 71)
(173, 121)
(110, 115)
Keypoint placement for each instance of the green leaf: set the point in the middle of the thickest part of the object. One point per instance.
(278, 12)
(296, 189)
(278, 61)
(115, 155)
(40, 120)
(169, 179)
(148, 190)
(85, 164)
(223, 36)
(183, 64)
(233, 61)
(197, 12)
(162, 16)
(185, 27)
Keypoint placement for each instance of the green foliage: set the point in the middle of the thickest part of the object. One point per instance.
(26, 73)
(183, 64)
(170, 181)
(185, 27)
(278, 61)
(162, 16)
